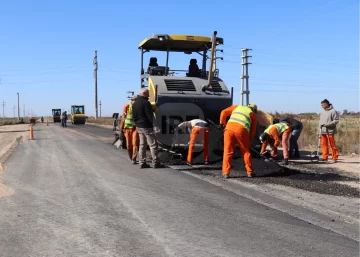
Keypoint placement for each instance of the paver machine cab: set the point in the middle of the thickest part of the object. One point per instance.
(56, 113)
(78, 114)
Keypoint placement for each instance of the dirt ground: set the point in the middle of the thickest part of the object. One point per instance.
(10, 137)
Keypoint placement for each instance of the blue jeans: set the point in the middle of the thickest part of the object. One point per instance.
(294, 138)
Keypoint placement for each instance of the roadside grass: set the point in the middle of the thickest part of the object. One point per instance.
(101, 121)
(12, 121)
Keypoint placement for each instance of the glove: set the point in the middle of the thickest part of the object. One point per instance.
(221, 126)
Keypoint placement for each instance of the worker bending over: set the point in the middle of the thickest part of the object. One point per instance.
(197, 127)
(273, 136)
(241, 129)
(127, 126)
(296, 128)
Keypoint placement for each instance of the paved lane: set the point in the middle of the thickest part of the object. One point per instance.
(76, 196)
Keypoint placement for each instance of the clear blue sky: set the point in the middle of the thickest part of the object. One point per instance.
(303, 51)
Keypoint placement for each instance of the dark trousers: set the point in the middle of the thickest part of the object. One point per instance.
(294, 138)
(63, 122)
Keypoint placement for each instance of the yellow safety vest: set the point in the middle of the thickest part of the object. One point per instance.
(280, 127)
(129, 121)
(242, 115)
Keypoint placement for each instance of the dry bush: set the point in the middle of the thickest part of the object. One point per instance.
(101, 121)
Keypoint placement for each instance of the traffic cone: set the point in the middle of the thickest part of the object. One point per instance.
(31, 132)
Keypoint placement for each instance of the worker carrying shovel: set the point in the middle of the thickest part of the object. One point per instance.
(197, 127)
(128, 128)
(273, 136)
(240, 129)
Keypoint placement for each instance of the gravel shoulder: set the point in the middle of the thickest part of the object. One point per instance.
(10, 137)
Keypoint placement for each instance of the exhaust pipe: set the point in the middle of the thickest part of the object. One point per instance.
(211, 73)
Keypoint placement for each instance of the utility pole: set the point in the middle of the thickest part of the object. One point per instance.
(245, 75)
(100, 107)
(3, 107)
(14, 108)
(95, 77)
(18, 106)
(24, 110)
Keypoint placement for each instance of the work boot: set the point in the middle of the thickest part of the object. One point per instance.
(225, 176)
(323, 160)
(250, 175)
(285, 162)
(158, 165)
(144, 165)
(133, 161)
(332, 161)
(206, 163)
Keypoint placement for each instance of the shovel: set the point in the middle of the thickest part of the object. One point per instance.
(267, 159)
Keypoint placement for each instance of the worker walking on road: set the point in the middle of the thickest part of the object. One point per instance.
(273, 136)
(143, 117)
(296, 128)
(240, 129)
(127, 126)
(197, 127)
(64, 119)
(329, 118)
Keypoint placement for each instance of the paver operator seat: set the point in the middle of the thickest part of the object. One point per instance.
(156, 70)
(194, 70)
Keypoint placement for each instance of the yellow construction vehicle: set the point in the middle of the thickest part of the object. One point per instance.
(56, 113)
(196, 93)
(78, 114)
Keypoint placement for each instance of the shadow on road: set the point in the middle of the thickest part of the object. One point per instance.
(14, 131)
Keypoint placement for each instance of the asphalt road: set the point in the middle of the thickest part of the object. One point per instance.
(75, 195)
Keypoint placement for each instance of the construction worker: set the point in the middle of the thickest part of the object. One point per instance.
(329, 118)
(127, 126)
(273, 136)
(64, 119)
(296, 128)
(197, 127)
(144, 120)
(240, 129)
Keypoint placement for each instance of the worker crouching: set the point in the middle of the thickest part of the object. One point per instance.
(127, 125)
(197, 127)
(240, 129)
(273, 136)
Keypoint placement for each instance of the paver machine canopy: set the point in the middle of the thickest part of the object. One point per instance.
(56, 113)
(197, 93)
(78, 114)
